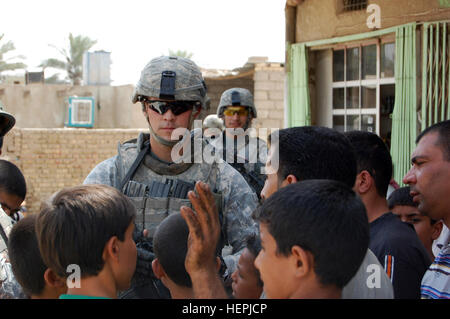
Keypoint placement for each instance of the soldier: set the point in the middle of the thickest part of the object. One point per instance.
(237, 110)
(9, 287)
(172, 93)
(213, 122)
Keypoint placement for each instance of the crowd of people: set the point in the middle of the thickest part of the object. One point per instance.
(305, 215)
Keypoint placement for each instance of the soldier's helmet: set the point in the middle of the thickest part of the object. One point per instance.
(7, 121)
(173, 78)
(213, 121)
(236, 96)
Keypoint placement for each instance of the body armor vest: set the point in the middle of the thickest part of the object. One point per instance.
(158, 189)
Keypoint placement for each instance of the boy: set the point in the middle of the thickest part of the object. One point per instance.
(247, 282)
(401, 203)
(170, 246)
(37, 281)
(12, 193)
(12, 189)
(89, 228)
(314, 236)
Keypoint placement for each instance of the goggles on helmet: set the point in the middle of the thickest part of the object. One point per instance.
(240, 110)
(177, 107)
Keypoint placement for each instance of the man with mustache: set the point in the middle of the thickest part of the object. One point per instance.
(429, 180)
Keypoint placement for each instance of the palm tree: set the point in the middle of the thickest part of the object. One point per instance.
(73, 58)
(180, 53)
(5, 65)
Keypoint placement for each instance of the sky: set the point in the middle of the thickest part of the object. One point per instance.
(221, 34)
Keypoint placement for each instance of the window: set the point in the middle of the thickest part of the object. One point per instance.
(354, 5)
(363, 87)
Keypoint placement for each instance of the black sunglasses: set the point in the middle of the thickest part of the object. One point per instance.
(177, 107)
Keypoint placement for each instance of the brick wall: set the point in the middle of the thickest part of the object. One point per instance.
(51, 159)
(269, 95)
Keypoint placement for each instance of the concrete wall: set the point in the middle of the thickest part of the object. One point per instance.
(51, 159)
(323, 20)
(45, 105)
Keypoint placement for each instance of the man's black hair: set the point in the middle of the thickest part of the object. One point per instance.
(443, 130)
(12, 180)
(314, 152)
(373, 156)
(324, 217)
(26, 261)
(402, 197)
(170, 247)
(75, 224)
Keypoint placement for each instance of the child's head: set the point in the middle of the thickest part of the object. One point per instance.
(170, 247)
(247, 282)
(314, 235)
(12, 188)
(30, 271)
(90, 226)
(401, 203)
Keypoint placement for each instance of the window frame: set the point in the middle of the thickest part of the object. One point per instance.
(360, 84)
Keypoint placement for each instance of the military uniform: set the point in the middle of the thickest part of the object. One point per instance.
(9, 287)
(246, 153)
(158, 188)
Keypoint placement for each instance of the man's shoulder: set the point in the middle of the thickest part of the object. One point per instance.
(399, 239)
(436, 281)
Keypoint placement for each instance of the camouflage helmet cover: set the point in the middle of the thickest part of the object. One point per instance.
(236, 96)
(213, 121)
(189, 83)
(7, 121)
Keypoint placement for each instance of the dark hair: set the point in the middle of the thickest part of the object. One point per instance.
(324, 217)
(170, 247)
(75, 224)
(314, 152)
(443, 130)
(26, 261)
(12, 180)
(253, 244)
(373, 156)
(402, 197)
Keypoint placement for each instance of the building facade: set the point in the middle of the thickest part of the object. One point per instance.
(375, 65)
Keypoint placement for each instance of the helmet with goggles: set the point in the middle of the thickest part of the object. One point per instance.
(171, 78)
(236, 100)
(174, 83)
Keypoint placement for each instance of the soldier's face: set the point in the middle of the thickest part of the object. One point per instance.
(429, 178)
(165, 124)
(235, 117)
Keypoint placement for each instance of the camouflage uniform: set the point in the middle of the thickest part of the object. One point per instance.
(153, 185)
(246, 160)
(10, 288)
